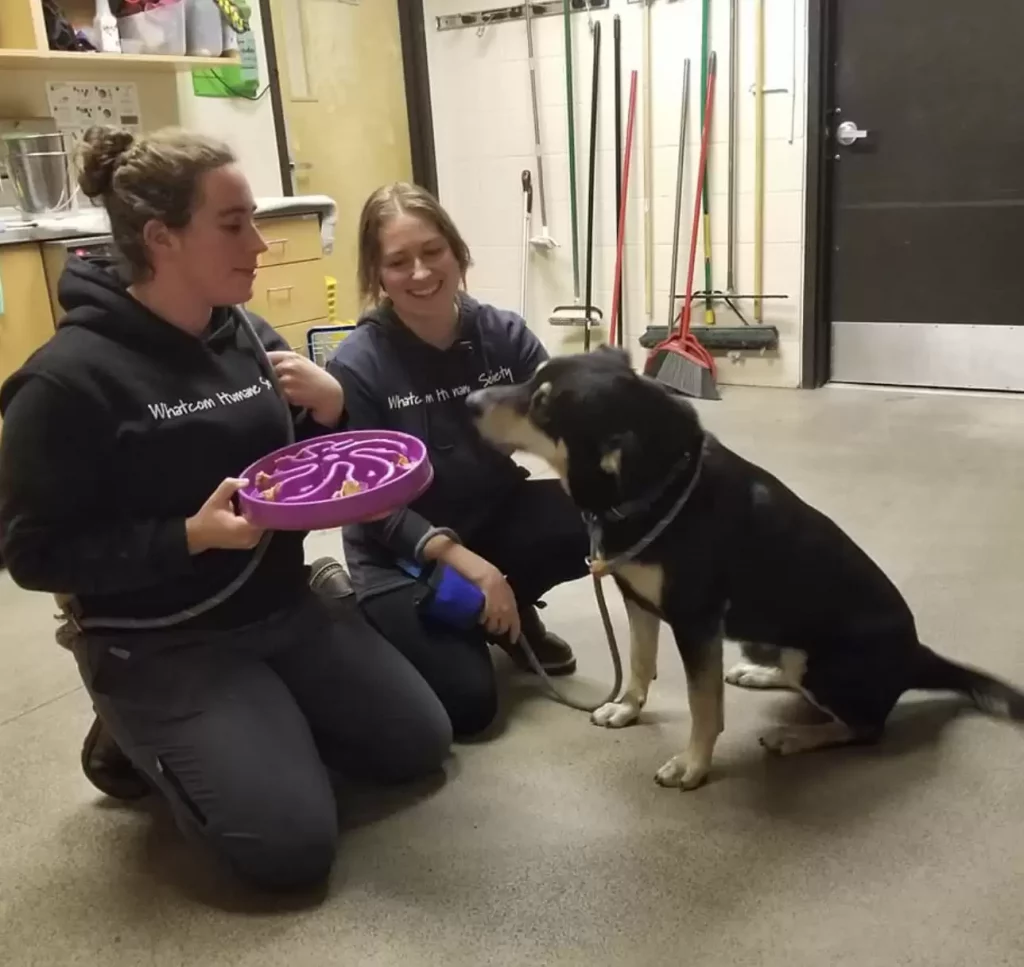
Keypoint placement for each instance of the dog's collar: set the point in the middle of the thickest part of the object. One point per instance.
(639, 504)
(598, 565)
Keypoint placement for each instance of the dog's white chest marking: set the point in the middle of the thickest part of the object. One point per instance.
(646, 580)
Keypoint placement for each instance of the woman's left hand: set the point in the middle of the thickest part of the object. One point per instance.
(309, 386)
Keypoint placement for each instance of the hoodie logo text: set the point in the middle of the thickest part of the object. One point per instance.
(171, 411)
(443, 395)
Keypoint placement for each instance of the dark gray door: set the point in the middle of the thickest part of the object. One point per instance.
(927, 148)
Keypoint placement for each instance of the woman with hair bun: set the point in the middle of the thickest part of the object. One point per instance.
(122, 440)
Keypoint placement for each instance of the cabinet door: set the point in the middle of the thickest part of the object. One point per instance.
(26, 319)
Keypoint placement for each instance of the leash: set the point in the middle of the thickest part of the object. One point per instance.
(613, 647)
(600, 569)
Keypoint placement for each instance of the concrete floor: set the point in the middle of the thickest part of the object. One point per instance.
(551, 844)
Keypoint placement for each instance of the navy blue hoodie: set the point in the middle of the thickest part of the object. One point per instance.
(393, 379)
(118, 429)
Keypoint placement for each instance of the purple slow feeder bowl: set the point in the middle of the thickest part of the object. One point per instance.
(391, 470)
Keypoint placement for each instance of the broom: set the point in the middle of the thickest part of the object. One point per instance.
(617, 295)
(681, 361)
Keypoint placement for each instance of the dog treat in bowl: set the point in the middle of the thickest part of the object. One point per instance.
(337, 479)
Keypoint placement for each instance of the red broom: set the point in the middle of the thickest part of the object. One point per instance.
(680, 361)
(622, 208)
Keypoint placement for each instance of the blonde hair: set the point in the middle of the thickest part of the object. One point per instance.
(401, 198)
(153, 177)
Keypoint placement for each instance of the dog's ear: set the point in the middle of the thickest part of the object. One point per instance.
(538, 406)
(616, 355)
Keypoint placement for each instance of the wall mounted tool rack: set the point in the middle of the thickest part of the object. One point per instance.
(498, 15)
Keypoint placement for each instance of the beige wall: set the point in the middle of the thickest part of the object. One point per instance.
(248, 126)
(23, 92)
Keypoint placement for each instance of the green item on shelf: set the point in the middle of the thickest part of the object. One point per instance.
(236, 79)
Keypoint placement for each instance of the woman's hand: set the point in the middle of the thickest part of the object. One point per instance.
(501, 613)
(309, 386)
(216, 526)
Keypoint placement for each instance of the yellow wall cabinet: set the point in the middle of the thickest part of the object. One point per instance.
(290, 290)
(26, 321)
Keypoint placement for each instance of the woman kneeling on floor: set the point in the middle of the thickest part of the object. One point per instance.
(122, 438)
(409, 365)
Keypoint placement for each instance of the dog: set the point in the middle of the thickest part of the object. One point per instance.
(716, 547)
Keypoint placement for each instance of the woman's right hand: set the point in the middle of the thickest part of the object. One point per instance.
(501, 613)
(217, 526)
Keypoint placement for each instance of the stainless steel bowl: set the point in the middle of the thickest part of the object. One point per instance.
(41, 180)
(21, 142)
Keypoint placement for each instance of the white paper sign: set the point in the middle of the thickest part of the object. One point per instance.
(78, 105)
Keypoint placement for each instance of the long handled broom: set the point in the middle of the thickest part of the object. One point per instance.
(681, 361)
(592, 314)
(624, 196)
(570, 315)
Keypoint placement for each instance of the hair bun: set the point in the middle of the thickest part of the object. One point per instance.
(103, 151)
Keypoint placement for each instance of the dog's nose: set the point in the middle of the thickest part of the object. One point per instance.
(476, 401)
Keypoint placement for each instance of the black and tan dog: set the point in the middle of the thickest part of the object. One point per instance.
(717, 547)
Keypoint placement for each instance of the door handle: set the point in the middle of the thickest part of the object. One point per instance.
(848, 132)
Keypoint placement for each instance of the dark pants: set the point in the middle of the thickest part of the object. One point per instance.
(538, 541)
(237, 729)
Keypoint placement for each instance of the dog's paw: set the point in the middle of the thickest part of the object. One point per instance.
(680, 772)
(790, 739)
(745, 674)
(615, 715)
(781, 741)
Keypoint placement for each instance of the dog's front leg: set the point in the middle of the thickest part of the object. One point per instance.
(705, 688)
(643, 660)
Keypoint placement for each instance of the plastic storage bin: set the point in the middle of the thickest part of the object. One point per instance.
(204, 31)
(158, 30)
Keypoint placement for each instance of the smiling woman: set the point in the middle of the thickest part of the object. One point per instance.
(418, 353)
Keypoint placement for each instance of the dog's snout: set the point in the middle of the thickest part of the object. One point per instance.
(477, 402)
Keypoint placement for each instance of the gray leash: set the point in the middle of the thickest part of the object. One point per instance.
(613, 647)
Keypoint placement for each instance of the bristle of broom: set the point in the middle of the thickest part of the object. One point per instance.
(682, 375)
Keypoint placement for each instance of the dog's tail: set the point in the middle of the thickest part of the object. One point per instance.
(932, 672)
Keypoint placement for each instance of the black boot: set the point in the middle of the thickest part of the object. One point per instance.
(329, 579)
(108, 768)
(554, 654)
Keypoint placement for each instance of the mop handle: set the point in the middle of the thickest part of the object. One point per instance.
(702, 165)
(622, 205)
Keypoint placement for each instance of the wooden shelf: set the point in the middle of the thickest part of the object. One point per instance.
(70, 60)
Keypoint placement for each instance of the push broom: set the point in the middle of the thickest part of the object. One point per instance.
(680, 361)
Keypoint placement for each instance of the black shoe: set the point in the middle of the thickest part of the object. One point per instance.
(108, 768)
(328, 578)
(553, 653)
(330, 582)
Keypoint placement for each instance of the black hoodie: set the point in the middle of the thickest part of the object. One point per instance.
(393, 379)
(114, 432)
